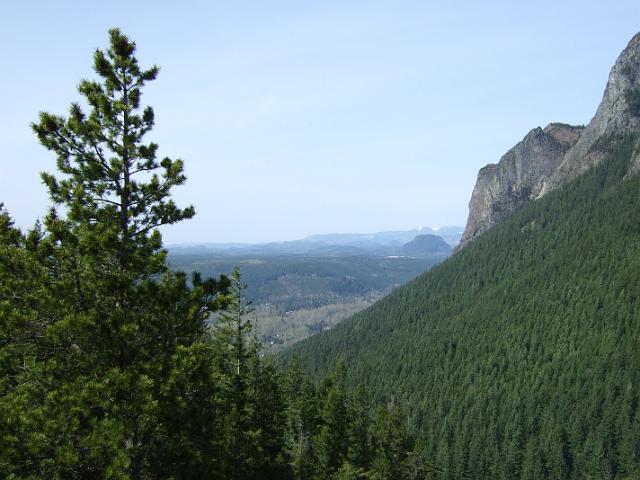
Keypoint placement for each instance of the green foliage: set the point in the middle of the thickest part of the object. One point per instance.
(331, 433)
(105, 353)
(332, 440)
(250, 407)
(518, 355)
(302, 416)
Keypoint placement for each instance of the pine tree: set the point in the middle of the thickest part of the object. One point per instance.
(332, 440)
(391, 443)
(234, 353)
(269, 418)
(121, 340)
(18, 279)
(359, 453)
(301, 420)
(251, 399)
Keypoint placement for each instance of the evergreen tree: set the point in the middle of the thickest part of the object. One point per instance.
(301, 420)
(391, 443)
(332, 440)
(349, 472)
(251, 401)
(232, 366)
(269, 418)
(359, 453)
(18, 345)
(113, 324)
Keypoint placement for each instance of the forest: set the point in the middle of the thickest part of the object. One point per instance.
(291, 282)
(109, 368)
(297, 295)
(518, 356)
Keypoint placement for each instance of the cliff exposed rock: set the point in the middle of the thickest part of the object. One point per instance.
(547, 159)
(617, 114)
(518, 177)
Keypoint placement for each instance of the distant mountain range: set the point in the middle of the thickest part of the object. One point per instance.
(378, 243)
(451, 235)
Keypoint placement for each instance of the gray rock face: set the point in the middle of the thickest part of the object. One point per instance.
(518, 177)
(547, 159)
(617, 114)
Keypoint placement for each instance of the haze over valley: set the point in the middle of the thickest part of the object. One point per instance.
(302, 287)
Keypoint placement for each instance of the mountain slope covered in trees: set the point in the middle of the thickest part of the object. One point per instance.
(518, 357)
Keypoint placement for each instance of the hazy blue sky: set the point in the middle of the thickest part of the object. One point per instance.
(301, 117)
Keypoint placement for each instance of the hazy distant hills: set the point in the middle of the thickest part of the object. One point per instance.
(425, 245)
(297, 295)
(379, 243)
(451, 235)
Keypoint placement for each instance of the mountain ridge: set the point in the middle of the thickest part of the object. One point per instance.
(518, 177)
(385, 242)
(517, 357)
(545, 159)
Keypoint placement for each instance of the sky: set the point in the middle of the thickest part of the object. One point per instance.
(302, 117)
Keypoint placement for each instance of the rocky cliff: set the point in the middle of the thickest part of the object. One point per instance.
(548, 158)
(518, 177)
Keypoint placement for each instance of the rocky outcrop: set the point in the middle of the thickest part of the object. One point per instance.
(518, 177)
(617, 114)
(548, 158)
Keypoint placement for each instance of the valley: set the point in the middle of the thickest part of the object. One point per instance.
(301, 288)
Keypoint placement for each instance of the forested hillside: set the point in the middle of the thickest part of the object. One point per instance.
(518, 357)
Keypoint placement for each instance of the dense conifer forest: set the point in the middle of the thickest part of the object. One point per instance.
(518, 357)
